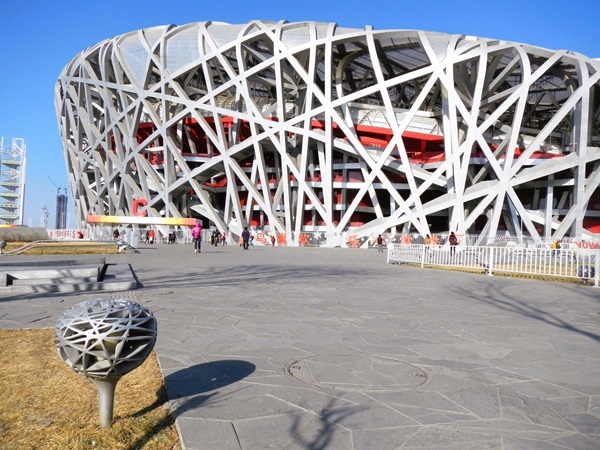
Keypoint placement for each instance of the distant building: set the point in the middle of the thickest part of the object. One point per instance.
(314, 129)
(61, 210)
(12, 180)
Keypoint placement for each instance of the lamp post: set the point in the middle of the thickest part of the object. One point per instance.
(103, 340)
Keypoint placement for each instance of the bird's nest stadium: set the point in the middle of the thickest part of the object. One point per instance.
(312, 131)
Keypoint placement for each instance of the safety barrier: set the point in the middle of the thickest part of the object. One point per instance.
(560, 263)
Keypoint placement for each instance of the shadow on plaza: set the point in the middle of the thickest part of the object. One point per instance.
(198, 387)
(252, 275)
(185, 386)
(328, 419)
(498, 298)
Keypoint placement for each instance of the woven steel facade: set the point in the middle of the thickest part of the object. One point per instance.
(310, 127)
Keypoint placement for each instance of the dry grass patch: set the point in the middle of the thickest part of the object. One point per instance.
(44, 404)
(65, 248)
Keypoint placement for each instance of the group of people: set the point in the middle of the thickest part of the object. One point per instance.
(246, 239)
(452, 240)
(216, 237)
(150, 237)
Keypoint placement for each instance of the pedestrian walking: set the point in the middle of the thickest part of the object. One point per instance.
(197, 237)
(555, 248)
(245, 238)
(379, 244)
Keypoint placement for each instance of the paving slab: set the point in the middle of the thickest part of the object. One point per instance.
(303, 348)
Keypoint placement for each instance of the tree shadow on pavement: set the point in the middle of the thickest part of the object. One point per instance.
(328, 418)
(261, 274)
(500, 299)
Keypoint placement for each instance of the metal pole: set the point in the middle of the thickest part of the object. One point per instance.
(106, 398)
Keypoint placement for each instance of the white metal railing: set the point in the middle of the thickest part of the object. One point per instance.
(563, 263)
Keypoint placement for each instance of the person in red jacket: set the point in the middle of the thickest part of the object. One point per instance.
(453, 243)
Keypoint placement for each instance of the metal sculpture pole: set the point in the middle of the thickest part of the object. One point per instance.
(103, 340)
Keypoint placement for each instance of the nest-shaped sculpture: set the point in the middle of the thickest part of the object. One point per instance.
(105, 338)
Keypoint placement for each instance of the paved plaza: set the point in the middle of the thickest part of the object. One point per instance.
(302, 348)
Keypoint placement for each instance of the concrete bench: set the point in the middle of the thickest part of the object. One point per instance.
(8, 275)
(51, 261)
(109, 277)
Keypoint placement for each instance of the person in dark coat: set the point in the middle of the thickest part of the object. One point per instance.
(245, 238)
(379, 243)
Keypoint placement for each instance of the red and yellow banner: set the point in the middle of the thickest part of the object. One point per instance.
(140, 220)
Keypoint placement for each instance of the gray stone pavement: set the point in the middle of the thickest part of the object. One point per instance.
(300, 348)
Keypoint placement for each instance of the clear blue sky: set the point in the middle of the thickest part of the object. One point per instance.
(38, 38)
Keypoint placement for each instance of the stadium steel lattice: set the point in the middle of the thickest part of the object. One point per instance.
(300, 127)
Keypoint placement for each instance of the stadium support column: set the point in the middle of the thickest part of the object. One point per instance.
(549, 207)
(581, 117)
(450, 127)
(325, 166)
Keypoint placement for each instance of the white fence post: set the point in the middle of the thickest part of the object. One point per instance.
(490, 261)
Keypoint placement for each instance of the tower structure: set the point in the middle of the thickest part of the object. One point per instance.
(44, 217)
(12, 180)
(61, 209)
